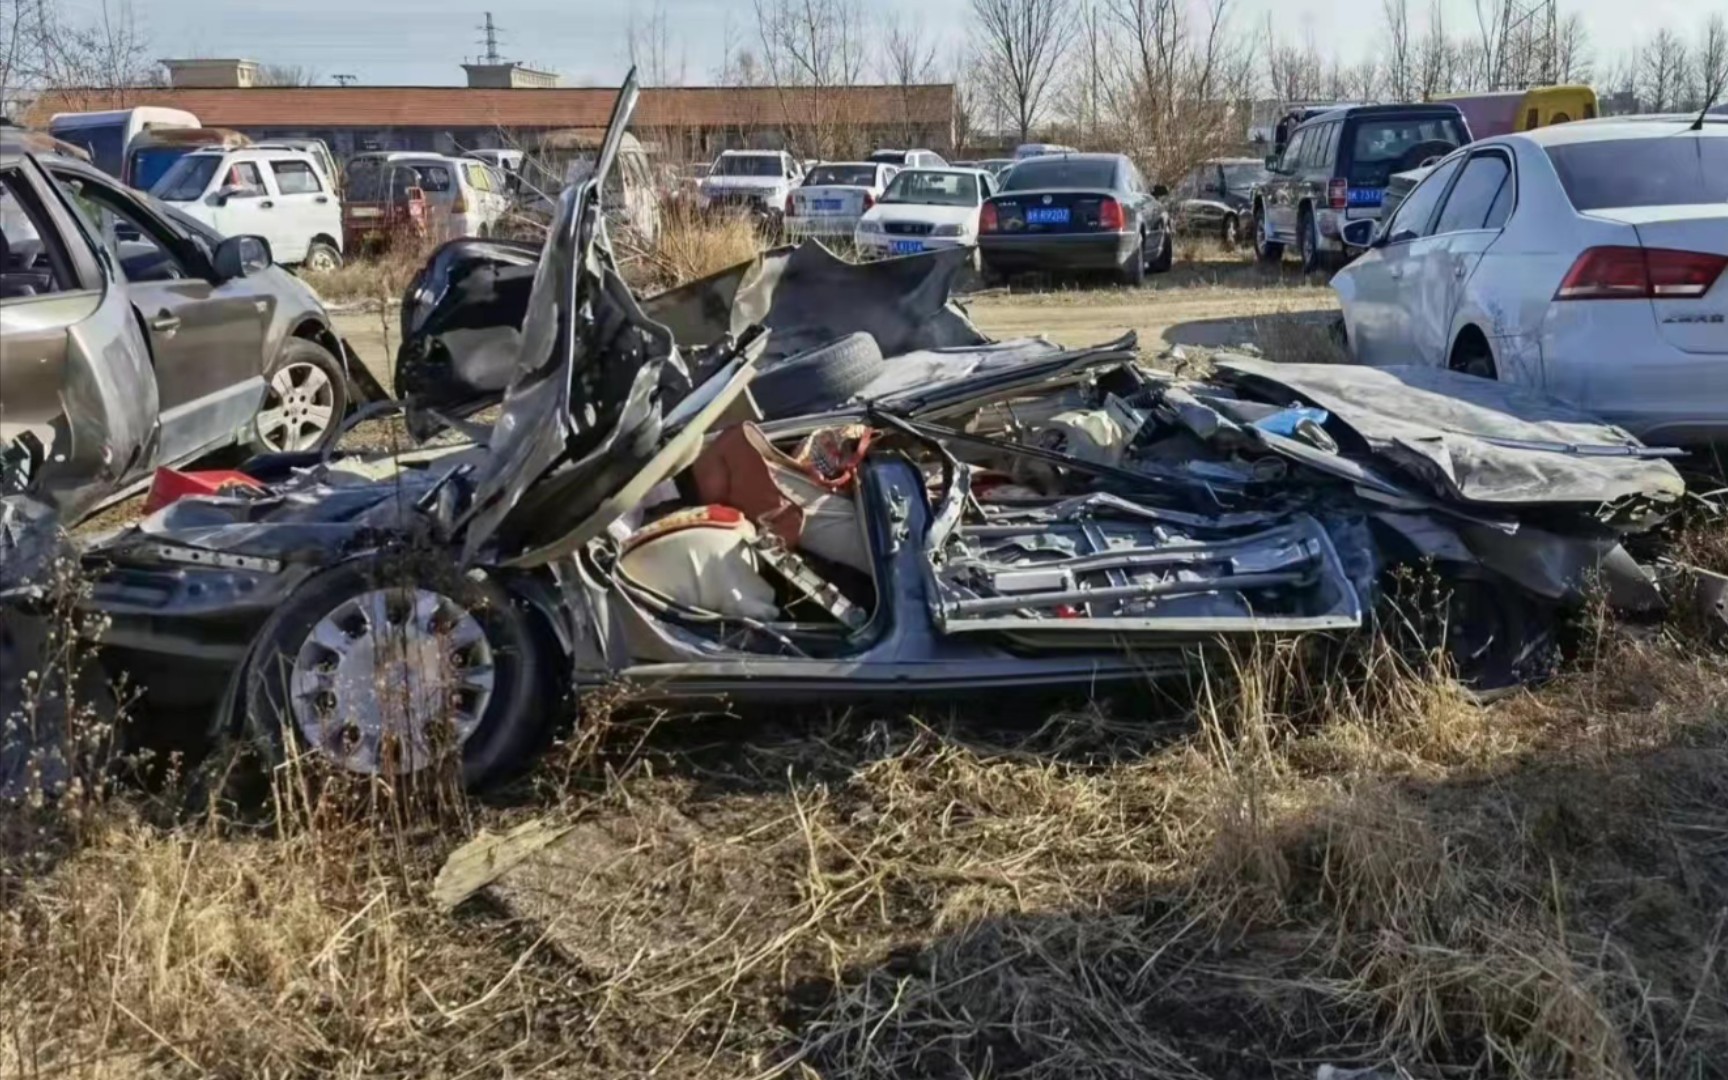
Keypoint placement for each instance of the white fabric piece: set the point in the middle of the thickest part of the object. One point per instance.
(705, 566)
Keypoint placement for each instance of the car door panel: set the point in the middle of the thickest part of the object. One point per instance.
(1387, 286)
(74, 370)
(206, 339)
(1469, 222)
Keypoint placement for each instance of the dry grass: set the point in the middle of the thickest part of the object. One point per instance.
(692, 245)
(1300, 858)
(1274, 868)
(371, 278)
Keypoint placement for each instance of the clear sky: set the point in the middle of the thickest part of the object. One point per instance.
(424, 41)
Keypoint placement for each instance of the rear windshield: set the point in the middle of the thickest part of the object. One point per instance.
(889, 157)
(187, 178)
(1679, 170)
(430, 178)
(1394, 144)
(376, 182)
(1057, 172)
(1239, 178)
(748, 165)
(933, 189)
(842, 176)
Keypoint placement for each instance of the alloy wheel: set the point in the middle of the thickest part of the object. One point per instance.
(390, 678)
(299, 408)
(322, 260)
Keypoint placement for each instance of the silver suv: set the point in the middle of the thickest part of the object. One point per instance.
(135, 337)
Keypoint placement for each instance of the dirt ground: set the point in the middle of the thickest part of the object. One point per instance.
(1211, 304)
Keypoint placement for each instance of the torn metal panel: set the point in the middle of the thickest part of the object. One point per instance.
(1122, 575)
(808, 297)
(1472, 439)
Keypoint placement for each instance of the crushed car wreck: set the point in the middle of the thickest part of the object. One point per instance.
(921, 510)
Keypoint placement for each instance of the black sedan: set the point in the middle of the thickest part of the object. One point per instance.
(1071, 212)
(1217, 198)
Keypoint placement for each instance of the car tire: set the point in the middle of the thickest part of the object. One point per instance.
(311, 679)
(1166, 257)
(322, 258)
(305, 400)
(1308, 243)
(1267, 251)
(1230, 234)
(818, 379)
(1471, 355)
(1133, 272)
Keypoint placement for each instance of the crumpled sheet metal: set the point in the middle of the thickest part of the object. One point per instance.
(808, 297)
(1449, 431)
(30, 540)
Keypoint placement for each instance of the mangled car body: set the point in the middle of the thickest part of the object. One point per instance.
(907, 508)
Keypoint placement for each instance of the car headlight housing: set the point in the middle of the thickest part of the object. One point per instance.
(871, 227)
(948, 230)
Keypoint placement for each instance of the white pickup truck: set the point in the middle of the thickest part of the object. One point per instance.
(279, 194)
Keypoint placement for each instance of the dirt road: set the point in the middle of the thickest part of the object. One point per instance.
(1208, 305)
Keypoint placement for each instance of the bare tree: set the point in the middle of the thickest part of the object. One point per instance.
(1089, 94)
(1573, 58)
(1710, 63)
(286, 75)
(653, 48)
(1437, 58)
(92, 63)
(908, 60)
(1400, 51)
(811, 49)
(908, 53)
(1296, 73)
(20, 52)
(1662, 71)
(1020, 44)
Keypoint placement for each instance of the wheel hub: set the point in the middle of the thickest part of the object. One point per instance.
(390, 679)
(298, 409)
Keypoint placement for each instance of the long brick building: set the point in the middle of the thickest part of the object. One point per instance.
(686, 122)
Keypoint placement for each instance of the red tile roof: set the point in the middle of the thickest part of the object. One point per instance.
(462, 107)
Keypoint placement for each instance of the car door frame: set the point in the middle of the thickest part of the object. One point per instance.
(84, 348)
(1445, 308)
(1279, 202)
(206, 336)
(1382, 279)
(299, 211)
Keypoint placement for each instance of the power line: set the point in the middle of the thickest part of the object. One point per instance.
(345, 80)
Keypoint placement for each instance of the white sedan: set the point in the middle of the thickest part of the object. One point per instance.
(925, 210)
(834, 196)
(1585, 260)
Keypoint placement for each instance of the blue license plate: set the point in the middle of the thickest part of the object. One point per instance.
(1046, 215)
(1366, 196)
(826, 206)
(906, 247)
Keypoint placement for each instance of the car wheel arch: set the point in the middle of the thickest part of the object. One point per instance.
(1470, 341)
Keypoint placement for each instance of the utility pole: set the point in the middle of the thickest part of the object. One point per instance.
(345, 80)
(491, 41)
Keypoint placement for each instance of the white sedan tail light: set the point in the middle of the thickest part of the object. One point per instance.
(1635, 273)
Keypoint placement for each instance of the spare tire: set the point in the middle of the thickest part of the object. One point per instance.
(1422, 152)
(820, 379)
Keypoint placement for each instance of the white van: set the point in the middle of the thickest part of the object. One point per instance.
(281, 195)
(105, 136)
